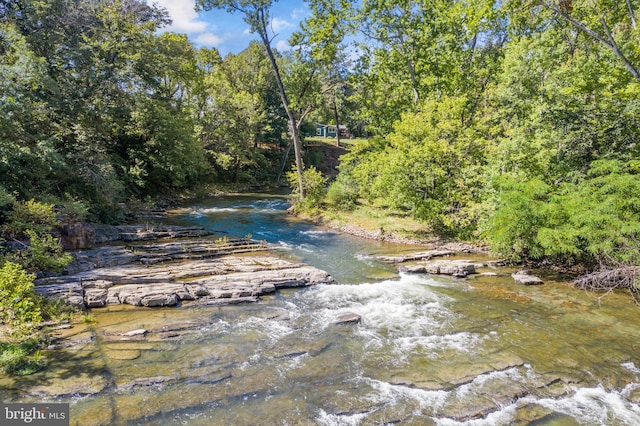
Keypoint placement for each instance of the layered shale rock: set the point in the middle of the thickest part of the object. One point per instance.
(223, 280)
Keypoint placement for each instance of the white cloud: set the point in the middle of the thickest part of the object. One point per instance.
(283, 45)
(297, 13)
(209, 39)
(279, 24)
(183, 15)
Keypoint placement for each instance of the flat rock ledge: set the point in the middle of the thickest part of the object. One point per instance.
(423, 255)
(83, 235)
(422, 263)
(526, 278)
(455, 268)
(223, 280)
(158, 252)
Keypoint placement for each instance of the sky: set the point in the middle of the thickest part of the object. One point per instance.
(228, 32)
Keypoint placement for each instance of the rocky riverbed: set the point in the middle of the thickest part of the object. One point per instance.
(156, 273)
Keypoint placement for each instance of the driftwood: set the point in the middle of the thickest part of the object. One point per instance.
(623, 277)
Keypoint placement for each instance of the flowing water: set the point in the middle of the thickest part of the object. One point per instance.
(430, 350)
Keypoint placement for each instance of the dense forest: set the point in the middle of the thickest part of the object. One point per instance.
(512, 122)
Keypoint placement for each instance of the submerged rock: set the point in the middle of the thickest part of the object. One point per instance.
(137, 332)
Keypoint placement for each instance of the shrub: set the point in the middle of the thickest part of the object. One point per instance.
(341, 196)
(32, 215)
(19, 307)
(20, 358)
(43, 253)
(73, 210)
(314, 184)
(512, 231)
(595, 220)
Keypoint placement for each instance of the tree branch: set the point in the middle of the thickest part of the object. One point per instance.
(608, 41)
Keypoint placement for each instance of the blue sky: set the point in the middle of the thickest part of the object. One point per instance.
(228, 32)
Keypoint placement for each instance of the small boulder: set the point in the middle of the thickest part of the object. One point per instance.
(456, 268)
(525, 277)
(95, 297)
(348, 318)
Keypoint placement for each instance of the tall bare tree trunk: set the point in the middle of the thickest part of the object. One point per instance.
(335, 115)
(293, 128)
(283, 162)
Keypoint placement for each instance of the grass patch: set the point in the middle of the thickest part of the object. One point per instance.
(21, 359)
(374, 220)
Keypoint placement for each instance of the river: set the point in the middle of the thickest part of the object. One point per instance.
(430, 350)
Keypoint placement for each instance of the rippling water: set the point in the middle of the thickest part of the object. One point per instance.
(429, 350)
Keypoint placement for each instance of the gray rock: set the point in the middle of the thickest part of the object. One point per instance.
(71, 293)
(525, 277)
(424, 255)
(232, 278)
(348, 318)
(155, 300)
(76, 235)
(456, 268)
(95, 297)
(137, 332)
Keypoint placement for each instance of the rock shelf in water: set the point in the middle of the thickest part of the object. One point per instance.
(169, 273)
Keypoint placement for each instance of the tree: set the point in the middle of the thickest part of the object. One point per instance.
(612, 23)
(241, 111)
(107, 102)
(256, 14)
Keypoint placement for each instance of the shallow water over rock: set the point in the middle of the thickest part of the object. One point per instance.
(428, 349)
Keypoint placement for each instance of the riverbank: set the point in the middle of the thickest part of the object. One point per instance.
(373, 224)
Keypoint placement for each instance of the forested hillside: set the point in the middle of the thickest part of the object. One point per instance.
(97, 106)
(513, 122)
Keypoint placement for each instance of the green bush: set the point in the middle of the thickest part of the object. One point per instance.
(30, 215)
(341, 195)
(43, 253)
(314, 184)
(595, 220)
(19, 305)
(73, 210)
(512, 230)
(33, 221)
(20, 358)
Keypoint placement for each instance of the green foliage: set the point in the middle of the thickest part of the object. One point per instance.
(72, 210)
(342, 194)
(34, 221)
(18, 302)
(429, 166)
(595, 219)
(43, 253)
(30, 216)
(314, 184)
(513, 228)
(20, 359)
(88, 319)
